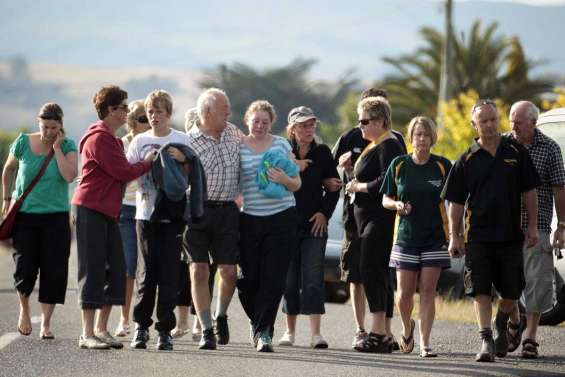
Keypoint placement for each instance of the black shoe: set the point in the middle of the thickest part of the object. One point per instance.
(165, 341)
(486, 353)
(501, 339)
(374, 343)
(222, 330)
(140, 338)
(208, 340)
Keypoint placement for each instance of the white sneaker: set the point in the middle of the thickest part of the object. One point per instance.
(287, 339)
(318, 341)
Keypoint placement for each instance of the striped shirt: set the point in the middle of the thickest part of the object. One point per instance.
(254, 202)
(220, 160)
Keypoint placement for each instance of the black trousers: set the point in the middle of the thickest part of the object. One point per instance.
(267, 246)
(101, 262)
(42, 244)
(376, 245)
(157, 278)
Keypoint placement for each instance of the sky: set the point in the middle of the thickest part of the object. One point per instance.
(201, 35)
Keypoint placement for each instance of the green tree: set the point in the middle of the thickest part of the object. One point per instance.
(493, 66)
(456, 134)
(285, 87)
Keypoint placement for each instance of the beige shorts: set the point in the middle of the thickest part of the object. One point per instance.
(538, 271)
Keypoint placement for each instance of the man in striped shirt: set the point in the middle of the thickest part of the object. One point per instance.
(215, 235)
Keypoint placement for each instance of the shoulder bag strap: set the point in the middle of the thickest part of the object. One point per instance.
(38, 176)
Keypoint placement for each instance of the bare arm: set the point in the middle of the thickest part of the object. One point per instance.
(559, 234)
(10, 168)
(292, 184)
(456, 239)
(530, 199)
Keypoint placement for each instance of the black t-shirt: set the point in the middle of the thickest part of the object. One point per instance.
(491, 187)
(312, 197)
(371, 169)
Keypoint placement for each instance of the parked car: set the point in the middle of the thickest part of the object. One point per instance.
(336, 290)
(552, 123)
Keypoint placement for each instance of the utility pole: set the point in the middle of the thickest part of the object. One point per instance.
(446, 78)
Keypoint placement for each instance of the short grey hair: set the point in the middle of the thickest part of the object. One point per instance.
(532, 111)
(207, 99)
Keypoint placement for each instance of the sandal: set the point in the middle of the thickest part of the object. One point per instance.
(529, 349)
(48, 335)
(407, 344)
(427, 352)
(515, 339)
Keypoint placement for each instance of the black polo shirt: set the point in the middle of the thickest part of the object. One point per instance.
(492, 187)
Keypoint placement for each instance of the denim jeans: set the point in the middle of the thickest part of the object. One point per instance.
(129, 239)
(304, 293)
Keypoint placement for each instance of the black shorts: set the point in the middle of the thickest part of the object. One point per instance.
(350, 250)
(215, 237)
(497, 263)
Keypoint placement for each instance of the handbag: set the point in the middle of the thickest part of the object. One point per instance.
(7, 225)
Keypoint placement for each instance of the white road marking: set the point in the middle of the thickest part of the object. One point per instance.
(8, 338)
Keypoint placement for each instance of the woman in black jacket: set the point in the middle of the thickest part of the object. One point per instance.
(374, 222)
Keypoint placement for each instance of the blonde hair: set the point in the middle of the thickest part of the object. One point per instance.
(136, 109)
(377, 108)
(428, 124)
(260, 105)
(160, 97)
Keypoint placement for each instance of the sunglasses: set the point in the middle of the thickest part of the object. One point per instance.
(142, 119)
(482, 102)
(121, 107)
(365, 122)
(306, 126)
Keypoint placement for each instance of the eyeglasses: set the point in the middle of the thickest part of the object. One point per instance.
(483, 102)
(142, 119)
(365, 122)
(121, 107)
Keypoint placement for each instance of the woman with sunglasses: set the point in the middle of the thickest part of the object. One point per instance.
(137, 123)
(304, 292)
(41, 235)
(98, 198)
(375, 223)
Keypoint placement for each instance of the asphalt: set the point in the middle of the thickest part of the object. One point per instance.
(456, 344)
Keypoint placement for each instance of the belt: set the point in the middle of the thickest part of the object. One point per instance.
(218, 203)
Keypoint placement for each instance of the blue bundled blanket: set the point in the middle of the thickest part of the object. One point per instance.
(274, 159)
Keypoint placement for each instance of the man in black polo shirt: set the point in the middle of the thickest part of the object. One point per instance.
(489, 179)
(346, 151)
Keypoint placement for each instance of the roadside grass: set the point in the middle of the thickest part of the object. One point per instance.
(461, 310)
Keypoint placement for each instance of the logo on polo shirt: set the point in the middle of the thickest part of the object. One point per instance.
(435, 183)
(511, 161)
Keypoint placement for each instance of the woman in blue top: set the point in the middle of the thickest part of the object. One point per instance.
(267, 226)
(412, 187)
(41, 236)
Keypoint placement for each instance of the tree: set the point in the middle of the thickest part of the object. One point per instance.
(285, 87)
(559, 100)
(493, 66)
(456, 134)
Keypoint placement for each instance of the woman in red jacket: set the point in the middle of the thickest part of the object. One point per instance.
(98, 197)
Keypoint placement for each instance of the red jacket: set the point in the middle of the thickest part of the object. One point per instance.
(105, 171)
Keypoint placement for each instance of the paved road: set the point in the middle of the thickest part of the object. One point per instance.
(455, 342)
